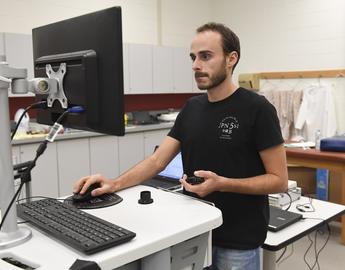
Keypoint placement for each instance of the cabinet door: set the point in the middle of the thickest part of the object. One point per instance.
(162, 69)
(18, 49)
(15, 154)
(183, 74)
(125, 69)
(16, 160)
(44, 177)
(2, 44)
(140, 68)
(131, 150)
(153, 138)
(73, 163)
(104, 156)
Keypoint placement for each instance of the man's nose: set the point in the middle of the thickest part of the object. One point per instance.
(196, 65)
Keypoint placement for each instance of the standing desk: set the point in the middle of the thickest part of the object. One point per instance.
(171, 232)
(333, 161)
(324, 212)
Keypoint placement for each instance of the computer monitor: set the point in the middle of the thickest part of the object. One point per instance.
(91, 47)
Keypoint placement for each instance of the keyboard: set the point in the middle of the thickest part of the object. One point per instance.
(74, 227)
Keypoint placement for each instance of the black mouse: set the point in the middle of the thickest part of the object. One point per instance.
(86, 196)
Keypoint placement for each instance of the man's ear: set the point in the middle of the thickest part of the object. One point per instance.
(231, 59)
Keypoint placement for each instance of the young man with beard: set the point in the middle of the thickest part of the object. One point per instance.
(231, 137)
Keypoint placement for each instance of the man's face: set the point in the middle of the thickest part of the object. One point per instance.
(209, 62)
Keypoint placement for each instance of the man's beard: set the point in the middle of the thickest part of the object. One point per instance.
(215, 80)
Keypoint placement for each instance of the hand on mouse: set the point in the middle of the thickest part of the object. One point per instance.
(208, 186)
(105, 185)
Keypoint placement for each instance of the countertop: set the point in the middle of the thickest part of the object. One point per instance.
(76, 134)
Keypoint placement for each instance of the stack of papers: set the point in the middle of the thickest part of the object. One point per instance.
(300, 145)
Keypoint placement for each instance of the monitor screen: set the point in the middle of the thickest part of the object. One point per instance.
(91, 47)
(174, 169)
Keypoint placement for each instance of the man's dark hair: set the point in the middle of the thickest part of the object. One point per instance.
(230, 41)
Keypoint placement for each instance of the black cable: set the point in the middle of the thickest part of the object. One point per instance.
(288, 256)
(281, 255)
(37, 105)
(287, 193)
(317, 252)
(40, 150)
(11, 203)
(306, 207)
(62, 116)
(306, 252)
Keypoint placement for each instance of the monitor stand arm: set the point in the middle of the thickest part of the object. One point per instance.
(10, 234)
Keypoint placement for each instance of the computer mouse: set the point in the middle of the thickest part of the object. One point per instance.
(77, 197)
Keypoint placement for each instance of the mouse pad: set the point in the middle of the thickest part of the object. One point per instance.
(96, 202)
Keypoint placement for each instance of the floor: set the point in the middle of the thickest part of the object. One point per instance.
(332, 257)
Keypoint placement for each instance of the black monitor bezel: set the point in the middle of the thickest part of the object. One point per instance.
(100, 32)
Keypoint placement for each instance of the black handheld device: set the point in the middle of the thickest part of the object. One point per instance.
(195, 180)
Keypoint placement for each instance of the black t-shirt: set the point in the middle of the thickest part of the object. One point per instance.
(225, 137)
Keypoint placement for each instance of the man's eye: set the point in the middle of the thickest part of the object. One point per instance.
(205, 56)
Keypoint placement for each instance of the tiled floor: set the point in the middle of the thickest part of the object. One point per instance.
(332, 257)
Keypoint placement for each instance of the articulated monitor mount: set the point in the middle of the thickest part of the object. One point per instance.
(15, 79)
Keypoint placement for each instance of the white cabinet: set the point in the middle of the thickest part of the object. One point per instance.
(2, 44)
(162, 69)
(153, 138)
(131, 150)
(73, 157)
(104, 156)
(140, 68)
(125, 69)
(15, 154)
(146, 68)
(182, 71)
(44, 177)
(66, 161)
(18, 49)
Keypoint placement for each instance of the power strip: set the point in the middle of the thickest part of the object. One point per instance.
(282, 199)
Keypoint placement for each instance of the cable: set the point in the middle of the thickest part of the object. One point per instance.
(290, 202)
(317, 252)
(40, 150)
(306, 207)
(288, 256)
(11, 203)
(281, 255)
(37, 105)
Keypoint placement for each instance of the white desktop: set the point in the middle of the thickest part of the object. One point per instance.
(173, 226)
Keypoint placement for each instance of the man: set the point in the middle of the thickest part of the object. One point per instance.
(231, 137)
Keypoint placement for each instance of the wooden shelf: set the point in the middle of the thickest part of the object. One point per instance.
(336, 73)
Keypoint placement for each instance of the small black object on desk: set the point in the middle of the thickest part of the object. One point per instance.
(145, 197)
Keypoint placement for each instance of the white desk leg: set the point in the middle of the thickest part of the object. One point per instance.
(157, 261)
(269, 260)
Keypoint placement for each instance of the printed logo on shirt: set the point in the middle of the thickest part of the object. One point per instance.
(227, 127)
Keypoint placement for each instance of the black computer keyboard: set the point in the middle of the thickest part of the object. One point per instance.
(74, 227)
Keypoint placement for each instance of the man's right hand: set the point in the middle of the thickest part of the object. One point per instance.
(106, 185)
